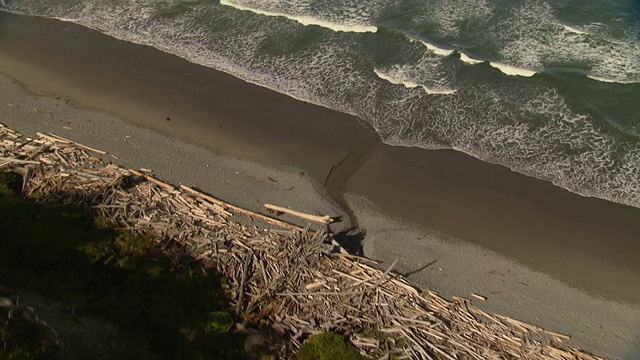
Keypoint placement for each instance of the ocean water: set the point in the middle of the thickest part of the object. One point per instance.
(548, 88)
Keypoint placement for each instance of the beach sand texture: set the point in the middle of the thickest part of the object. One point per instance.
(538, 252)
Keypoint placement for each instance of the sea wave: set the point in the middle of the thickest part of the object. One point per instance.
(411, 85)
(469, 60)
(519, 122)
(504, 68)
(512, 70)
(574, 30)
(559, 146)
(531, 36)
(528, 35)
(305, 20)
(436, 49)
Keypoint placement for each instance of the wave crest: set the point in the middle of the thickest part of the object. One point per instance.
(305, 19)
(394, 79)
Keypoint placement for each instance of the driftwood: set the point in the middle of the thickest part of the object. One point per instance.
(82, 146)
(250, 213)
(297, 282)
(321, 219)
(155, 181)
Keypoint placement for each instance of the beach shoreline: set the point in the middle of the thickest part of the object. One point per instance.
(260, 136)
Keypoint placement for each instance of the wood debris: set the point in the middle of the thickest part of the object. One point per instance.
(297, 280)
(326, 219)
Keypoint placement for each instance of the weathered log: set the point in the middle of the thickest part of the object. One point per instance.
(326, 219)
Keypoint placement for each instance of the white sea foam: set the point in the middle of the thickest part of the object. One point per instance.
(439, 91)
(469, 60)
(512, 70)
(532, 37)
(66, 19)
(528, 34)
(306, 20)
(574, 30)
(437, 50)
(557, 150)
(411, 85)
(448, 15)
(383, 76)
(613, 81)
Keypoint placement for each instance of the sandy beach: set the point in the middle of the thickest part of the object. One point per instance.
(458, 225)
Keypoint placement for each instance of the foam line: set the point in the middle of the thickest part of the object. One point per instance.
(412, 85)
(611, 81)
(512, 70)
(306, 20)
(75, 21)
(571, 29)
(437, 50)
(469, 60)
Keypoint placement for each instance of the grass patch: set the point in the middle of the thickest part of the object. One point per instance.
(164, 307)
(328, 346)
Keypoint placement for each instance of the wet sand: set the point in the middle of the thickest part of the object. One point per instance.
(589, 243)
(203, 106)
(582, 251)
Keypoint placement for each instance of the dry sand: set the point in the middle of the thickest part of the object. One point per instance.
(491, 231)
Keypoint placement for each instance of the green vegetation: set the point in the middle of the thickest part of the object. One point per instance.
(162, 304)
(327, 346)
(10, 184)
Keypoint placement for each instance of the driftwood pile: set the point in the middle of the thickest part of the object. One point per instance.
(298, 280)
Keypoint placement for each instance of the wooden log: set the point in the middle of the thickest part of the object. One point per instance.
(231, 207)
(51, 138)
(350, 256)
(521, 324)
(479, 297)
(557, 335)
(153, 180)
(326, 219)
(82, 146)
(4, 160)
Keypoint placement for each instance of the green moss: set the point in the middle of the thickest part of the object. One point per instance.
(327, 346)
(10, 184)
(219, 322)
(102, 222)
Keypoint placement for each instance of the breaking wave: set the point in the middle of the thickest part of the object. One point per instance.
(280, 9)
(394, 79)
